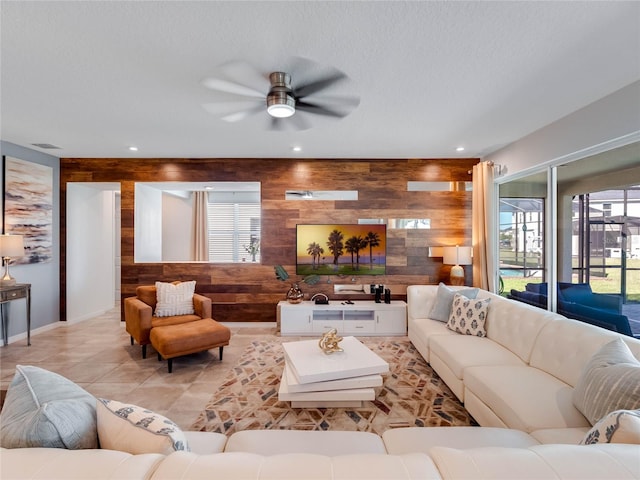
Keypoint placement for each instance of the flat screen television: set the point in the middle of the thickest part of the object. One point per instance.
(341, 249)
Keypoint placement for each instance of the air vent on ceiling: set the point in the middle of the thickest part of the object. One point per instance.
(46, 146)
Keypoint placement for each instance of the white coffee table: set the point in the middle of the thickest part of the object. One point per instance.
(313, 379)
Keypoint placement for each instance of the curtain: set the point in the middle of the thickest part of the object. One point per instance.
(200, 243)
(483, 234)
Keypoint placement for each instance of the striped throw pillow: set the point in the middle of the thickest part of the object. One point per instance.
(609, 381)
(174, 299)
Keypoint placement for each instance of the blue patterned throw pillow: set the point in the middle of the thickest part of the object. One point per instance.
(136, 430)
(468, 315)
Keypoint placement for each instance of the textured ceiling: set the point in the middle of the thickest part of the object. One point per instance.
(96, 77)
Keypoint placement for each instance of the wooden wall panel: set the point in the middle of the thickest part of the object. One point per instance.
(247, 292)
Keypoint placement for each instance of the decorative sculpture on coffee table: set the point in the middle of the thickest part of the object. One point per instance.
(329, 342)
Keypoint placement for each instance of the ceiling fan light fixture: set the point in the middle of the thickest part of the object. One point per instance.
(280, 105)
(282, 100)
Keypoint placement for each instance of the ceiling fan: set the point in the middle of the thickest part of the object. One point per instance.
(288, 99)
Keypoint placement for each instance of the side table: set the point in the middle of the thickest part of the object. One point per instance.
(7, 294)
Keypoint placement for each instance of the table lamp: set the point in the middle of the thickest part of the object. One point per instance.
(457, 256)
(10, 246)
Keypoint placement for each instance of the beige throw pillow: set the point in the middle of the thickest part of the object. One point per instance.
(609, 381)
(136, 430)
(621, 426)
(174, 299)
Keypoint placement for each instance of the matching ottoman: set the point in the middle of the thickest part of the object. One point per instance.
(173, 341)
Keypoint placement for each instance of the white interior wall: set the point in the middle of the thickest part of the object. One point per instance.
(90, 249)
(610, 120)
(147, 224)
(117, 260)
(177, 229)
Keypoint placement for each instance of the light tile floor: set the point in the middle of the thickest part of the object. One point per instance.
(97, 355)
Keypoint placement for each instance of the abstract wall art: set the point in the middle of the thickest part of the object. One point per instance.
(28, 207)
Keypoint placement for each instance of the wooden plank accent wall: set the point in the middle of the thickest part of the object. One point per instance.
(248, 292)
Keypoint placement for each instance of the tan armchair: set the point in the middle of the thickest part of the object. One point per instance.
(139, 314)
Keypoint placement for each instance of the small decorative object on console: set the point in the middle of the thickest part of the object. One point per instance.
(320, 299)
(295, 295)
(329, 342)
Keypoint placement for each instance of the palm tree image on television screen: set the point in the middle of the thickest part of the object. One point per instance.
(341, 249)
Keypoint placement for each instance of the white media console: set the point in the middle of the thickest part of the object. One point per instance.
(362, 317)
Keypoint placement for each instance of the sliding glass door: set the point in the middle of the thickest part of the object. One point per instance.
(522, 205)
(606, 249)
(575, 228)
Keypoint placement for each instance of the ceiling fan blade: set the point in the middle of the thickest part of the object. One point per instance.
(234, 111)
(317, 85)
(231, 87)
(236, 117)
(246, 74)
(320, 110)
(337, 100)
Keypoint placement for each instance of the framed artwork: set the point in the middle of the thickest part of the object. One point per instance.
(28, 207)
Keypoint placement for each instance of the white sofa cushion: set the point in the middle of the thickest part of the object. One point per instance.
(565, 346)
(274, 442)
(62, 464)
(524, 398)
(515, 325)
(463, 351)
(205, 442)
(238, 465)
(450, 355)
(420, 300)
(541, 461)
(422, 330)
(609, 381)
(399, 441)
(572, 436)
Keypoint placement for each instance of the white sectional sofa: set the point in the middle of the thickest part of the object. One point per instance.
(262, 455)
(523, 373)
(517, 382)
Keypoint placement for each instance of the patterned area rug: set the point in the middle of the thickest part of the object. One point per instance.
(411, 395)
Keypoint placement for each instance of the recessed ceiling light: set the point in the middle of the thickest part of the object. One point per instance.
(460, 149)
(133, 149)
(208, 187)
(296, 149)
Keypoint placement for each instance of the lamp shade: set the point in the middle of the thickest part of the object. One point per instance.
(11, 246)
(457, 255)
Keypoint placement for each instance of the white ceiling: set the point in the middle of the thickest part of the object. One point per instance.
(95, 77)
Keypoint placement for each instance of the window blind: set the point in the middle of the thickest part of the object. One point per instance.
(232, 227)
